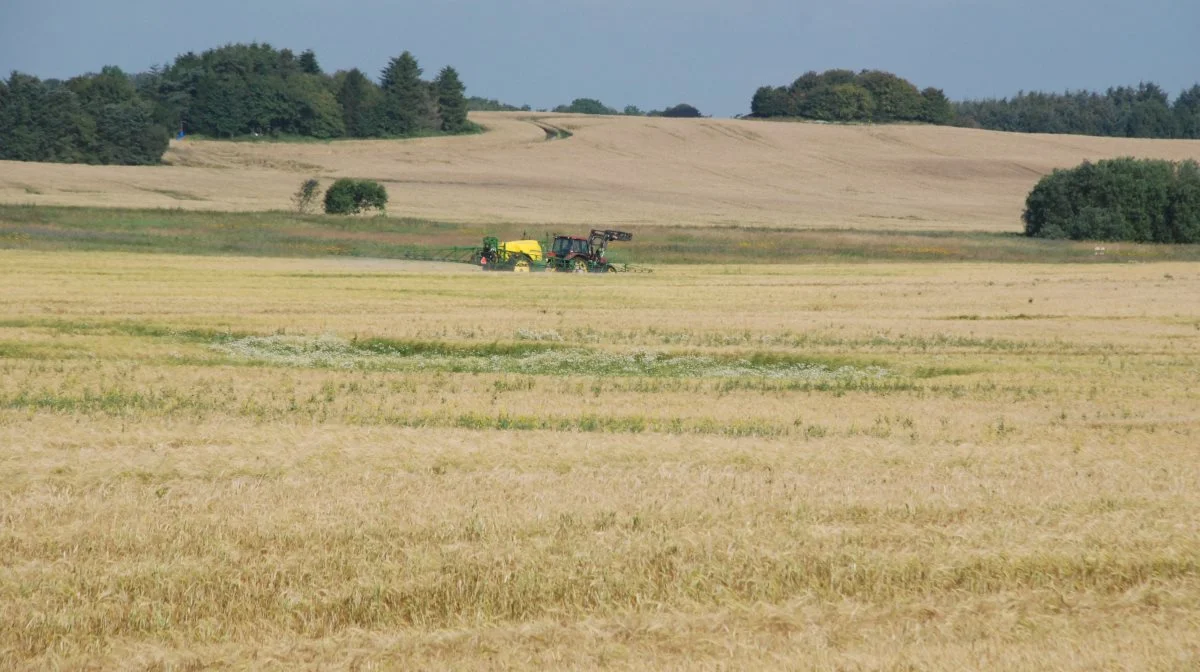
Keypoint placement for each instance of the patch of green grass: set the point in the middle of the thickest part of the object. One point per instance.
(292, 235)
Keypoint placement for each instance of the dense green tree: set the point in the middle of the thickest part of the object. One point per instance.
(840, 102)
(1118, 199)
(896, 99)
(21, 129)
(361, 101)
(1187, 113)
(769, 102)
(316, 112)
(1183, 213)
(451, 100)
(126, 134)
(936, 108)
(350, 197)
(308, 63)
(682, 111)
(110, 87)
(405, 96)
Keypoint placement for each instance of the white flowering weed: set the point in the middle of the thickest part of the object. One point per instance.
(328, 351)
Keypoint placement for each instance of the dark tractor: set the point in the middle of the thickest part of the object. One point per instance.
(583, 255)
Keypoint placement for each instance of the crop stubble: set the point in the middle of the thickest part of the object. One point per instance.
(1017, 491)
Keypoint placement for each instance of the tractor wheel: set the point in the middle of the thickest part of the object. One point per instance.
(610, 269)
(521, 265)
(579, 266)
(550, 267)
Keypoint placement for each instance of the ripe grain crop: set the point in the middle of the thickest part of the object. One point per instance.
(249, 463)
(620, 172)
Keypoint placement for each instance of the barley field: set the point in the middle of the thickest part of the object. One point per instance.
(231, 463)
(619, 171)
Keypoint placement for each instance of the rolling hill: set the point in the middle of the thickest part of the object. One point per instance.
(617, 171)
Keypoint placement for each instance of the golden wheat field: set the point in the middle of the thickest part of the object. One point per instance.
(620, 171)
(218, 463)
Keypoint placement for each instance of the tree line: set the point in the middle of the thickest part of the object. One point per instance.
(1144, 111)
(232, 91)
(594, 106)
(97, 118)
(247, 89)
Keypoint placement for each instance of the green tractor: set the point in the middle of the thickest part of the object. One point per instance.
(583, 255)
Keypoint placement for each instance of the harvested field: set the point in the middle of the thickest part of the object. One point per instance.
(619, 171)
(237, 463)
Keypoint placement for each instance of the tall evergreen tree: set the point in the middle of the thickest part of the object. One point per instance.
(404, 96)
(359, 98)
(451, 100)
(308, 63)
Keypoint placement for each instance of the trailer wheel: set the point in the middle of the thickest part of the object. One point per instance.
(521, 265)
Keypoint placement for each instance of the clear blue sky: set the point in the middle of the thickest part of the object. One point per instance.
(651, 53)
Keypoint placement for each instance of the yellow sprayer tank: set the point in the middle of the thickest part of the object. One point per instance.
(529, 248)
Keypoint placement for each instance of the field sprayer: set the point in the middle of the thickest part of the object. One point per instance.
(571, 254)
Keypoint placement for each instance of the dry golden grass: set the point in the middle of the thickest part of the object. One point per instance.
(620, 171)
(1019, 492)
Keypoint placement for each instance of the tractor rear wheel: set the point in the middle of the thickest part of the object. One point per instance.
(550, 267)
(579, 266)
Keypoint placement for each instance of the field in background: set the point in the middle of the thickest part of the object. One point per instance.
(620, 171)
(289, 235)
(337, 462)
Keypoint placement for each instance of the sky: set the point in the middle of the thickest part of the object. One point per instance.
(649, 53)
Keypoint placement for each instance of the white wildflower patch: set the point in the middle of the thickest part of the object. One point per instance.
(535, 335)
(333, 352)
(325, 351)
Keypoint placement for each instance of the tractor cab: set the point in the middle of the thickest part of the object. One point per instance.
(566, 247)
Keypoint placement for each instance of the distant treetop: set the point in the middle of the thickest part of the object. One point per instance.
(874, 96)
(586, 106)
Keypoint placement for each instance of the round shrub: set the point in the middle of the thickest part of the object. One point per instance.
(1137, 200)
(350, 197)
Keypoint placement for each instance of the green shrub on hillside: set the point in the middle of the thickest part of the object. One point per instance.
(350, 197)
(1138, 200)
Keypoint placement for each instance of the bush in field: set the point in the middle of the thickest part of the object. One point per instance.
(1129, 199)
(306, 195)
(350, 197)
